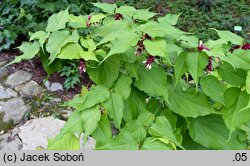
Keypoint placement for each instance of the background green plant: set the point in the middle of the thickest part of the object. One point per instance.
(149, 108)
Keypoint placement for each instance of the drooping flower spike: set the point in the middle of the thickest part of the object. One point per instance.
(201, 46)
(149, 61)
(88, 21)
(118, 16)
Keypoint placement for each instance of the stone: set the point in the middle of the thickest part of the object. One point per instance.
(10, 142)
(2, 63)
(53, 86)
(7, 93)
(29, 89)
(14, 109)
(18, 78)
(55, 100)
(89, 145)
(35, 133)
(3, 72)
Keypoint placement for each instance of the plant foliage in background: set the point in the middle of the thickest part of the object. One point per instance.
(19, 17)
(157, 86)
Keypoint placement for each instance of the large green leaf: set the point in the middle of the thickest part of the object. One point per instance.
(248, 82)
(90, 118)
(155, 29)
(73, 125)
(143, 14)
(114, 106)
(59, 39)
(68, 142)
(231, 76)
(107, 73)
(156, 47)
(211, 132)
(172, 19)
(153, 81)
(58, 21)
(151, 143)
(213, 88)
(98, 94)
(107, 8)
(29, 50)
(239, 59)
(163, 129)
(228, 36)
(123, 86)
(103, 132)
(134, 105)
(70, 51)
(188, 104)
(233, 114)
(180, 67)
(196, 62)
(41, 36)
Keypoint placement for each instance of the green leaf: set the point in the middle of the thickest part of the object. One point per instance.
(172, 19)
(126, 10)
(114, 106)
(162, 129)
(228, 36)
(29, 50)
(58, 21)
(159, 29)
(189, 104)
(97, 17)
(231, 76)
(156, 47)
(248, 82)
(236, 100)
(196, 62)
(41, 36)
(70, 51)
(77, 21)
(211, 132)
(123, 86)
(68, 142)
(122, 43)
(103, 132)
(121, 142)
(98, 94)
(73, 125)
(107, 73)
(134, 105)
(132, 69)
(151, 143)
(143, 14)
(57, 40)
(180, 67)
(213, 88)
(90, 118)
(107, 8)
(153, 81)
(146, 118)
(239, 59)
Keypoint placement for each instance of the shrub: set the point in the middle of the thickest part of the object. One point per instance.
(157, 86)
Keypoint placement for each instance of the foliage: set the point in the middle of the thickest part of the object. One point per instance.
(159, 87)
(71, 74)
(19, 17)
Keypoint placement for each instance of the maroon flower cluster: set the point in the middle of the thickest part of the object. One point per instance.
(88, 21)
(118, 16)
(82, 67)
(149, 61)
(202, 47)
(140, 45)
(245, 46)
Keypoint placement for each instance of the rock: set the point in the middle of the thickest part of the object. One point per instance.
(53, 86)
(55, 100)
(9, 142)
(2, 63)
(29, 89)
(13, 109)
(35, 133)
(7, 93)
(89, 145)
(65, 113)
(18, 78)
(3, 72)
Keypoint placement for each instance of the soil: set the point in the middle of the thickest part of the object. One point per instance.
(39, 75)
